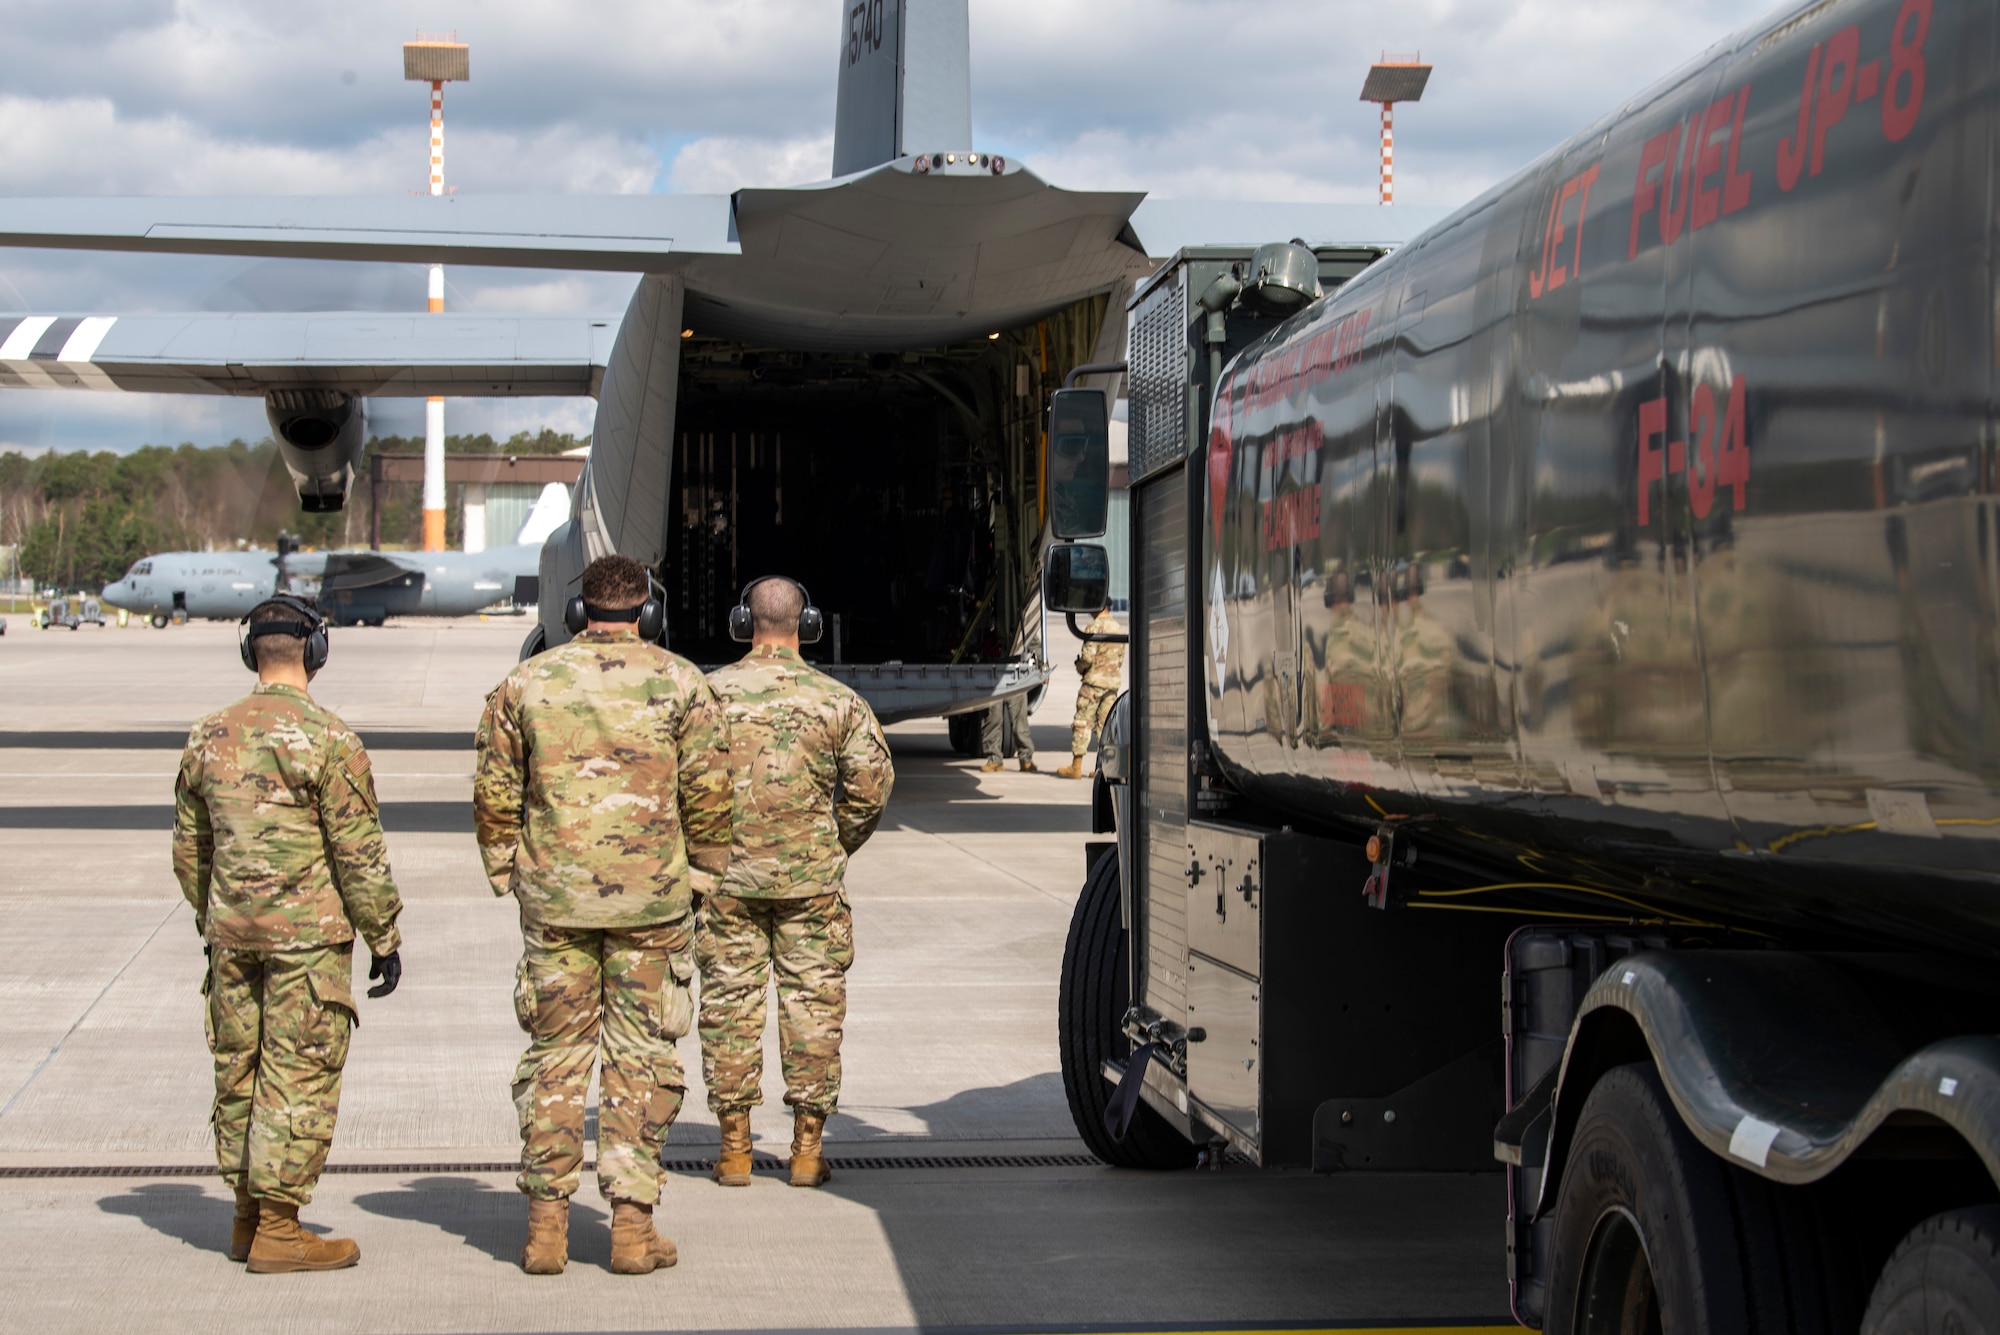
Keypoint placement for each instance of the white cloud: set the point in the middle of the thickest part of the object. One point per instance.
(720, 164)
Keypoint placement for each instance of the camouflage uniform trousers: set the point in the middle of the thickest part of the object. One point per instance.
(811, 941)
(627, 993)
(278, 1025)
(1093, 707)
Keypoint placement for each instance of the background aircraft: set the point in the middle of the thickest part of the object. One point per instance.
(354, 588)
(843, 380)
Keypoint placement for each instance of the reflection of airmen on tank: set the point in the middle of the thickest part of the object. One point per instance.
(811, 773)
(601, 802)
(1101, 664)
(278, 846)
(1003, 732)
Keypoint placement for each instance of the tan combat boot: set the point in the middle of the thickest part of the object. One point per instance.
(635, 1248)
(1027, 764)
(732, 1166)
(1073, 770)
(547, 1251)
(991, 767)
(808, 1166)
(243, 1229)
(282, 1247)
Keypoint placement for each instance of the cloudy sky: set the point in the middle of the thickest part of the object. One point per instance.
(1183, 98)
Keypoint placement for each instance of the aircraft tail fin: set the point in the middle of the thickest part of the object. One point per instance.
(905, 81)
(551, 512)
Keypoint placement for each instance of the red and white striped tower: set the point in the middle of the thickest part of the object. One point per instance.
(436, 59)
(1393, 79)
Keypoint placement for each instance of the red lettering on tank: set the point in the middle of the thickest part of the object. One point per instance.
(1582, 208)
(1219, 453)
(1555, 270)
(1792, 150)
(1657, 153)
(1736, 184)
(1673, 214)
(1707, 205)
(1733, 466)
(1868, 81)
(1652, 423)
(1836, 89)
(1292, 518)
(1904, 97)
(1705, 467)
(1341, 704)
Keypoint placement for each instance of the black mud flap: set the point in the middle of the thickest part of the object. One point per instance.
(1125, 1099)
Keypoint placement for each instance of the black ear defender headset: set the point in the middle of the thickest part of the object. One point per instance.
(651, 614)
(742, 624)
(310, 627)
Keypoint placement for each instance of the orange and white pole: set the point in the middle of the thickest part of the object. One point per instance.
(1388, 156)
(434, 407)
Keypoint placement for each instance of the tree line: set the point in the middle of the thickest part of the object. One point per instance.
(82, 518)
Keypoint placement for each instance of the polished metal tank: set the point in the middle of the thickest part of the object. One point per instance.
(1635, 528)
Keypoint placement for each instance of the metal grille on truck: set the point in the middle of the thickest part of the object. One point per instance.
(1157, 352)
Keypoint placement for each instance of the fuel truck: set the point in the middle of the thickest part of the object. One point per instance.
(1564, 726)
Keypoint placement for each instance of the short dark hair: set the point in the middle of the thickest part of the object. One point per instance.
(775, 604)
(615, 583)
(271, 650)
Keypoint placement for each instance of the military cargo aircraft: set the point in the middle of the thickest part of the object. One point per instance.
(842, 380)
(355, 588)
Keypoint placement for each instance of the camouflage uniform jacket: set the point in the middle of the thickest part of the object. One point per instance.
(601, 793)
(277, 837)
(1102, 664)
(811, 770)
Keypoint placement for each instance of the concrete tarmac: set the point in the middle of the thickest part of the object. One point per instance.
(962, 1197)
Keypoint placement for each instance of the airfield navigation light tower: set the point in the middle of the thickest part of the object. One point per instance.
(436, 59)
(1393, 79)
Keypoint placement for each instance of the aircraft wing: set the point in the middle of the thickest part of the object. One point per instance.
(614, 233)
(414, 355)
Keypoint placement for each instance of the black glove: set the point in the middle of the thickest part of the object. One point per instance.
(389, 968)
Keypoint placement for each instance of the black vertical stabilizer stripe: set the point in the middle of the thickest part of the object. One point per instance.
(53, 338)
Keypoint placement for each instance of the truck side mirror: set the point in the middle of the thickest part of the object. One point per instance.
(1076, 577)
(1079, 463)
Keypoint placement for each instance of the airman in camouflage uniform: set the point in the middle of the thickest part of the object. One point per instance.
(812, 775)
(601, 802)
(1103, 670)
(278, 848)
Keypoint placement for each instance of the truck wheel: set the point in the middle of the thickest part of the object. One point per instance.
(1654, 1232)
(1943, 1277)
(963, 729)
(1091, 1005)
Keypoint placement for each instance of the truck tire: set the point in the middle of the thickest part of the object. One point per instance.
(1091, 1005)
(1654, 1231)
(963, 729)
(1943, 1277)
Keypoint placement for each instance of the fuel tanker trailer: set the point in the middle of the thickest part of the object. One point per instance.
(1596, 603)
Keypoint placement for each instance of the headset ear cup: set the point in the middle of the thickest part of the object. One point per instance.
(652, 620)
(811, 625)
(316, 648)
(574, 617)
(243, 649)
(740, 623)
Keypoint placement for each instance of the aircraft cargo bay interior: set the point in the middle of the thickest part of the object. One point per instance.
(905, 488)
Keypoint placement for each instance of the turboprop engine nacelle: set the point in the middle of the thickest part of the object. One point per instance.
(320, 433)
